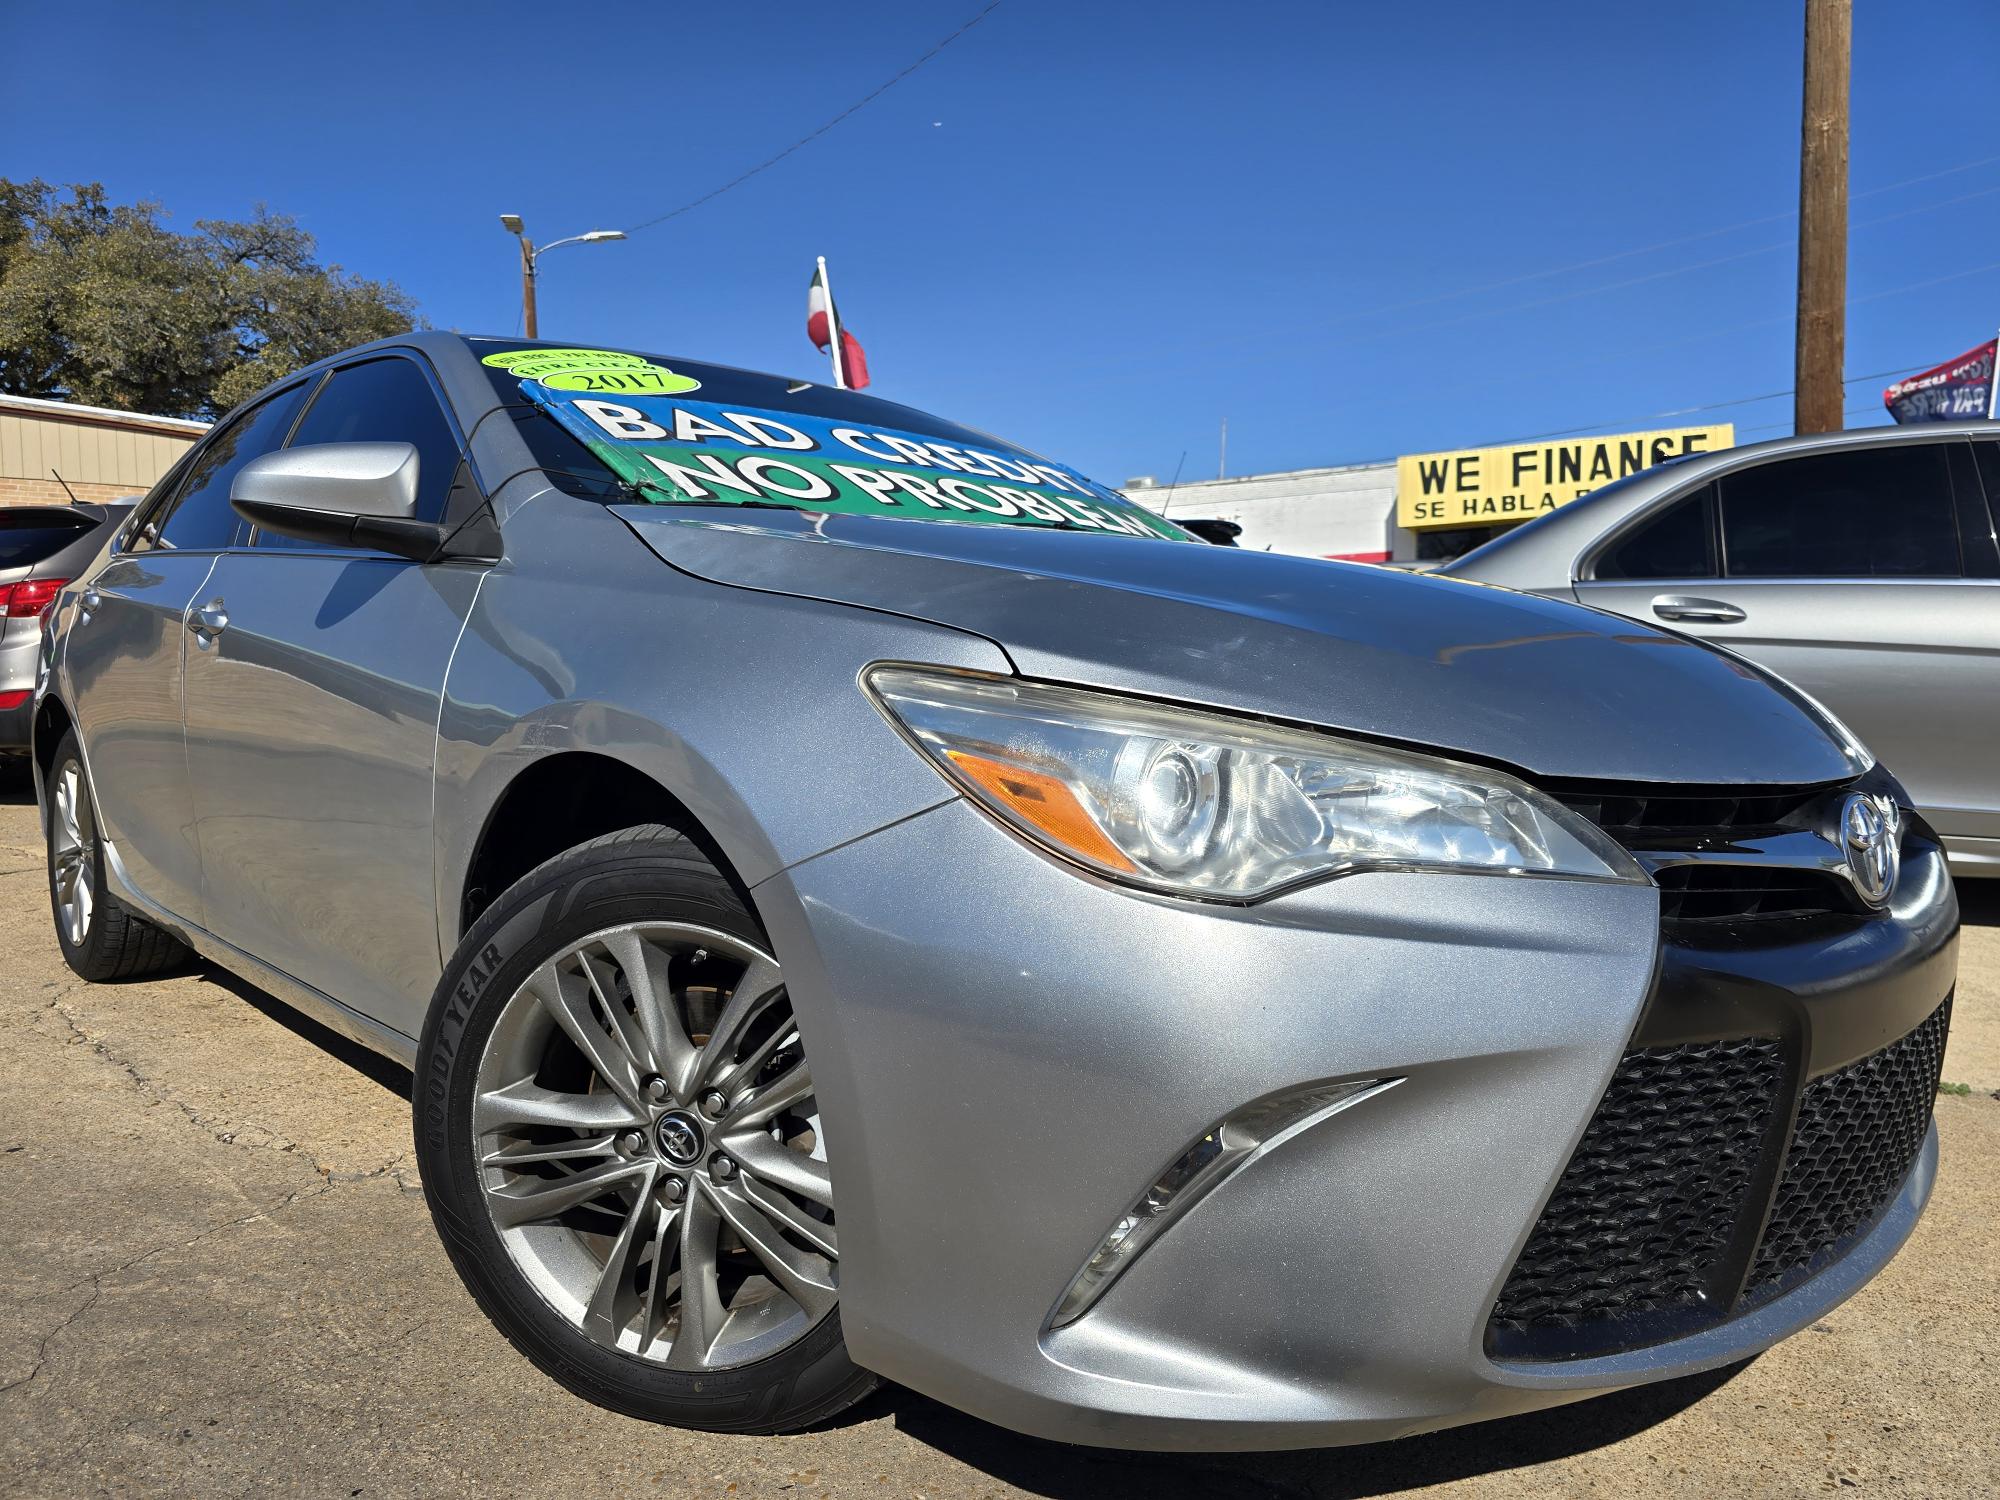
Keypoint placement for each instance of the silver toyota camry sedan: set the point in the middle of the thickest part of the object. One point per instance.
(862, 901)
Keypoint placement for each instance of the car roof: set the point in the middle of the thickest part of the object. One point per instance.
(1544, 552)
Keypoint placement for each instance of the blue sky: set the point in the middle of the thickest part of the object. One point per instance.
(1095, 229)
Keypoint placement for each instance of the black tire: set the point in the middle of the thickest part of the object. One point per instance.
(116, 942)
(648, 873)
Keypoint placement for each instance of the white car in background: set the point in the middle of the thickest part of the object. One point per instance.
(1862, 566)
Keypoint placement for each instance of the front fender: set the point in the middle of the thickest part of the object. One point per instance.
(744, 705)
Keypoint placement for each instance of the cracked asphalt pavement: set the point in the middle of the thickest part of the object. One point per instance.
(218, 1277)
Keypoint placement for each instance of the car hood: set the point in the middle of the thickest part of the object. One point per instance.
(1554, 689)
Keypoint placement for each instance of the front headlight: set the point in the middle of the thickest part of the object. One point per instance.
(1202, 804)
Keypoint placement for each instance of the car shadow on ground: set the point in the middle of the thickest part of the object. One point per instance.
(1060, 1472)
(371, 1064)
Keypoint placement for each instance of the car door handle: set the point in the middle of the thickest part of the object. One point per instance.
(207, 621)
(1686, 607)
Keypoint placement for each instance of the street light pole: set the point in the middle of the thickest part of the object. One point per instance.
(530, 327)
(530, 257)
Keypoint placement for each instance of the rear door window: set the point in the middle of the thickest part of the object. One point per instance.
(33, 534)
(1857, 513)
(1677, 542)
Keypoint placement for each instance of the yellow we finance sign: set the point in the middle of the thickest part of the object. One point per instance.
(1519, 481)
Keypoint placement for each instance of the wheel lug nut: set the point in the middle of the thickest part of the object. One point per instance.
(723, 1168)
(674, 1188)
(654, 1088)
(631, 1143)
(713, 1104)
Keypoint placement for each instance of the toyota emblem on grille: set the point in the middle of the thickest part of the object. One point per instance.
(1869, 840)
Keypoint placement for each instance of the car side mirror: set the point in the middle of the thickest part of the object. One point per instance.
(342, 495)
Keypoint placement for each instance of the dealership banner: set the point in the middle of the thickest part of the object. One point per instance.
(1959, 390)
(1519, 481)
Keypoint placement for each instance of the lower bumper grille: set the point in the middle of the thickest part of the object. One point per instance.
(1858, 1132)
(1653, 1230)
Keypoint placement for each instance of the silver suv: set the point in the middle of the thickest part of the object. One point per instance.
(861, 900)
(1861, 566)
(42, 547)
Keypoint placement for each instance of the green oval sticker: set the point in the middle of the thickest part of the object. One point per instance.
(592, 370)
(531, 361)
(631, 380)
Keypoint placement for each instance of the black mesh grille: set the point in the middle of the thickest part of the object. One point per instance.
(1647, 1206)
(1635, 1244)
(1858, 1133)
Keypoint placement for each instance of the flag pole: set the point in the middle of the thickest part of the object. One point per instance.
(832, 328)
(1993, 388)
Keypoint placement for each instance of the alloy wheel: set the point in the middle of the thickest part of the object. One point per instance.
(73, 853)
(649, 1147)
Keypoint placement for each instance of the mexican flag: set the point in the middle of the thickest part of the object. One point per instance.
(830, 336)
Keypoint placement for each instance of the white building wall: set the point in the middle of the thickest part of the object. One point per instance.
(1343, 512)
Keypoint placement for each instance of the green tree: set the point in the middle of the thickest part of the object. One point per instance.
(102, 303)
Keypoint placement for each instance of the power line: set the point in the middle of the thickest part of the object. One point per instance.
(1686, 239)
(1457, 319)
(1893, 291)
(1856, 411)
(806, 140)
(1689, 411)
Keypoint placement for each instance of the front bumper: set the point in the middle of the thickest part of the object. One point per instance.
(1008, 1052)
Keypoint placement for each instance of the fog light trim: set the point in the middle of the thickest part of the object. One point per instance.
(1224, 1149)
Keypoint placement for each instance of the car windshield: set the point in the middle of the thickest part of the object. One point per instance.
(32, 536)
(622, 426)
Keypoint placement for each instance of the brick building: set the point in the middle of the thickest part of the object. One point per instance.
(100, 454)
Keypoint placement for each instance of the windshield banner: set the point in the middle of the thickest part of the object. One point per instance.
(711, 453)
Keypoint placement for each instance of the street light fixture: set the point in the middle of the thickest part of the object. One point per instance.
(530, 255)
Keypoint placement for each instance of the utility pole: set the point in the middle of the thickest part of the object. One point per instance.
(528, 325)
(1818, 386)
(1222, 452)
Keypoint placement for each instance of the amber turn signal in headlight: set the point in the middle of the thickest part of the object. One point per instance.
(1203, 804)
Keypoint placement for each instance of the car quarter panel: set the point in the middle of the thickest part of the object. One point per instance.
(745, 705)
(1344, 1277)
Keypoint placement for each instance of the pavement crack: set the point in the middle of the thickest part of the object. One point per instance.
(42, 1348)
(250, 1135)
(96, 1279)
